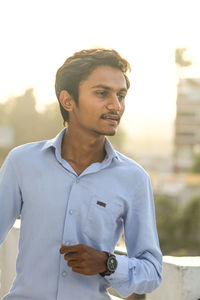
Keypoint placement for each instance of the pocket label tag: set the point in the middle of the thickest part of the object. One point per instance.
(101, 203)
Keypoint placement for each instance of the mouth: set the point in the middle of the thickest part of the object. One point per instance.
(111, 117)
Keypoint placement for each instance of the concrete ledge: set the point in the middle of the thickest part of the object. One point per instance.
(8, 255)
(181, 279)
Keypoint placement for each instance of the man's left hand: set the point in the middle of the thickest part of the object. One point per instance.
(84, 259)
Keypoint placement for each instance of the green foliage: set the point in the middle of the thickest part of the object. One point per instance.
(196, 164)
(191, 224)
(168, 221)
(178, 227)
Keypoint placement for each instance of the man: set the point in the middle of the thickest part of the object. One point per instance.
(76, 194)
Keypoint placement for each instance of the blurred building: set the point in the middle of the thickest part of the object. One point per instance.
(187, 124)
(181, 187)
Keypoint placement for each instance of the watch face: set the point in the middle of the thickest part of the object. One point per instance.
(112, 263)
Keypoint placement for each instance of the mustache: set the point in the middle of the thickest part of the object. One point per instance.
(111, 114)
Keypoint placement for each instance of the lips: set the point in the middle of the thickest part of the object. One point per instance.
(110, 117)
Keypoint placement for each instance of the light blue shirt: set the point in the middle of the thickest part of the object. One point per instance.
(58, 206)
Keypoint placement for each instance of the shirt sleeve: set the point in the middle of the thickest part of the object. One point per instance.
(140, 271)
(10, 197)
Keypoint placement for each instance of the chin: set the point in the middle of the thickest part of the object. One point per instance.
(108, 133)
(111, 132)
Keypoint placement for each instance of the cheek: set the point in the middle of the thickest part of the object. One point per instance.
(122, 108)
(89, 115)
(93, 110)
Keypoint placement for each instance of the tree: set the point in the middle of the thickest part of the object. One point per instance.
(180, 58)
(191, 225)
(168, 223)
(196, 164)
(22, 115)
(51, 121)
(2, 114)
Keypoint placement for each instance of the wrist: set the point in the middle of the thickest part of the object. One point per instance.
(104, 261)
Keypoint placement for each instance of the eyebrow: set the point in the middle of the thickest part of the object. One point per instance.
(105, 87)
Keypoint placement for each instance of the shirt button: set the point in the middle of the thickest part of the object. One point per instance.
(77, 180)
(71, 212)
(64, 273)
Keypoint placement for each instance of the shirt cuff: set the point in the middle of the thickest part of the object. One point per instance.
(122, 272)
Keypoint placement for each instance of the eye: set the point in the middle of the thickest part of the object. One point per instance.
(101, 93)
(121, 97)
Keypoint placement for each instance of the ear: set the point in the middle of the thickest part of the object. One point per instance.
(66, 100)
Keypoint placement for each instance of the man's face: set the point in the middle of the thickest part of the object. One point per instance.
(101, 101)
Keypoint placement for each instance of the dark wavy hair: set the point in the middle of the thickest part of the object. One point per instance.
(80, 65)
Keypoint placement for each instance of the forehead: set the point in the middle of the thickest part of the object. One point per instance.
(105, 75)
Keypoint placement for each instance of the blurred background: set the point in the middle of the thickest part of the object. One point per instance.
(161, 126)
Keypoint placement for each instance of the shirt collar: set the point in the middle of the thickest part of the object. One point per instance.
(57, 141)
(110, 151)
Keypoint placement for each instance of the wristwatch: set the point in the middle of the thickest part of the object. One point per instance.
(111, 264)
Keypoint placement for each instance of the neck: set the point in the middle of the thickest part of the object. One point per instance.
(81, 150)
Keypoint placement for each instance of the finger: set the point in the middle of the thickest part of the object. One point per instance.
(74, 263)
(78, 270)
(63, 249)
(67, 249)
(72, 256)
(75, 248)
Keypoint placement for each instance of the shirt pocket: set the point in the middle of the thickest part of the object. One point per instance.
(103, 220)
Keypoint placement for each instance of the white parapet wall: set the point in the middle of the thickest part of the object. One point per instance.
(181, 279)
(8, 255)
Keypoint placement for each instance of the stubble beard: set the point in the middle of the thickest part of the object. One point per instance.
(105, 133)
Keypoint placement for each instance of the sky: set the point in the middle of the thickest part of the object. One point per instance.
(36, 36)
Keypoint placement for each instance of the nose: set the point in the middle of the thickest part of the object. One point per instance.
(114, 103)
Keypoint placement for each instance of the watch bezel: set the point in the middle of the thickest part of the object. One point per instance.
(109, 270)
(109, 265)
